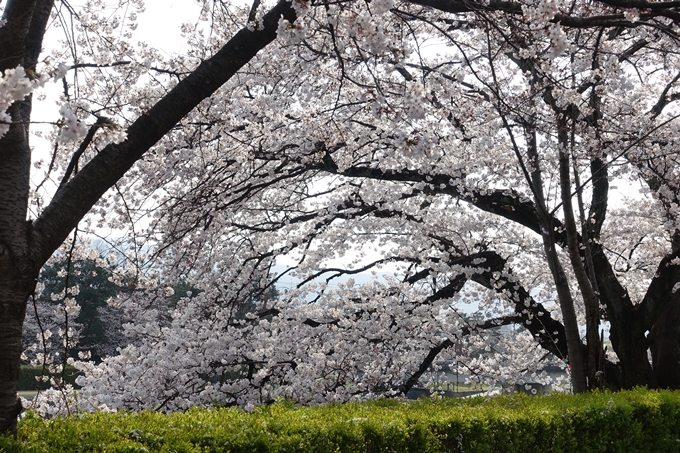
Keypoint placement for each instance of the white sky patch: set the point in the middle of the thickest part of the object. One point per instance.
(159, 25)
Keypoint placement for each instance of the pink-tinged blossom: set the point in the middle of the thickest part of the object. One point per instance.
(72, 129)
(290, 34)
(558, 40)
(15, 85)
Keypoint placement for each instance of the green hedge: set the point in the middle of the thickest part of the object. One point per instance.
(634, 421)
(27, 378)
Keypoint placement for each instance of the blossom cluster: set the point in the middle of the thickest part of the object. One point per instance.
(343, 352)
(542, 12)
(15, 85)
(290, 33)
(72, 129)
(558, 40)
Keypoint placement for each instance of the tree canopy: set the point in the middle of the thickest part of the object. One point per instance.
(519, 154)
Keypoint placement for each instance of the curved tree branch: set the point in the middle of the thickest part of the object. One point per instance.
(73, 201)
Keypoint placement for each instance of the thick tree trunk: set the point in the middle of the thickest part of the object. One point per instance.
(664, 342)
(627, 331)
(21, 40)
(12, 310)
(628, 340)
(17, 273)
(664, 322)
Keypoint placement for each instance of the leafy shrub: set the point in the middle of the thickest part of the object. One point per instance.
(634, 421)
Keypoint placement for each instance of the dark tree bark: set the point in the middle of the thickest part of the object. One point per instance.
(21, 40)
(664, 342)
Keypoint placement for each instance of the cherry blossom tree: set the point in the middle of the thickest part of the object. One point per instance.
(489, 160)
(101, 156)
(466, 143)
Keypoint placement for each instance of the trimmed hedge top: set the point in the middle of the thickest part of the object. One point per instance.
(632, 421)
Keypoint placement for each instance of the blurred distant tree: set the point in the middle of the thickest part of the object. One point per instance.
(95, 287)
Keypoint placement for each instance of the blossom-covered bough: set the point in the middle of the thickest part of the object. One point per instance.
(461, 150)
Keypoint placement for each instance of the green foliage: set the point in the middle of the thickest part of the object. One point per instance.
(28, 381)
(181, 289)
(634, 421)
(95, 289)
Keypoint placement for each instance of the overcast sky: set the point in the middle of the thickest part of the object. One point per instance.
(159, 25)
